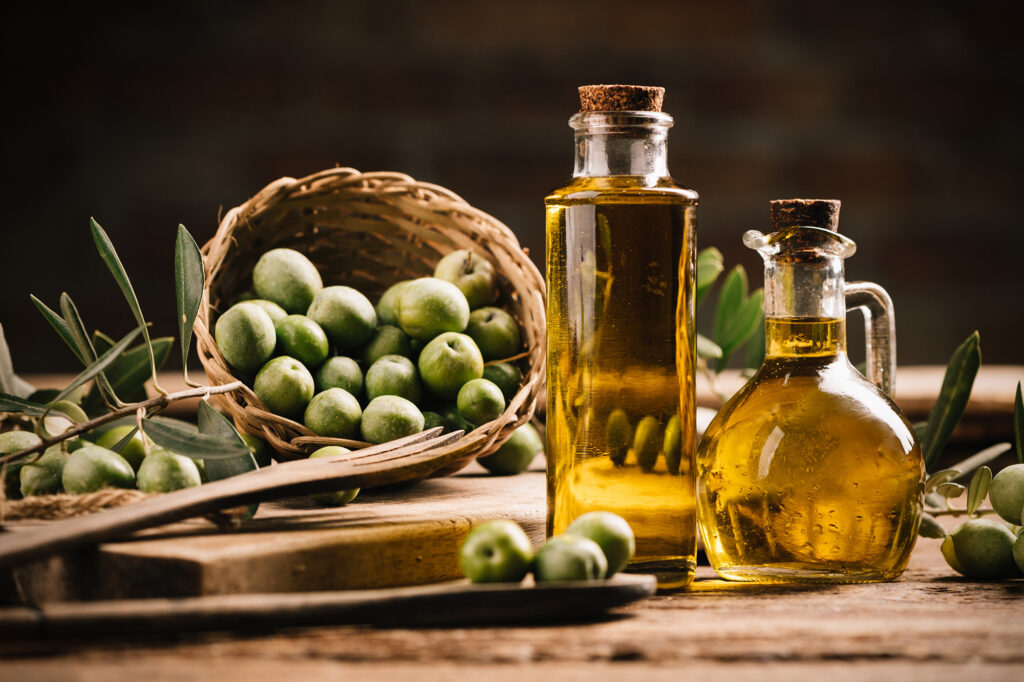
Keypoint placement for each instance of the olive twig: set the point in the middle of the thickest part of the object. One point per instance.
(962, 512)
(156, 403)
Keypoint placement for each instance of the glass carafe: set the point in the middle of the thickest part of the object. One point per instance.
(810, 472)
(620, 276)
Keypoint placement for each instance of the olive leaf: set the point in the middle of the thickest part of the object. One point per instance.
(1018, 424)
(706, 348)
(754, 356)
(61, 327)
(185, 439)
(978, 489)
(120, 445)
(953, 396)
(101, 342)
(44, 395)
(76, 327)
(9, 381)
(6, 365)
(930, 527)
(13, 403)
(189, 280)
(709, 266)
(982, 457)
(730, 298)
(938, 478)
(113, 262)
(100, 364)
(128, 374)
(950, 490)
(85, 347)
(737, 315)
(212, 422)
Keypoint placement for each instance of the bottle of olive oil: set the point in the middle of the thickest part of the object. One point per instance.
(620, 359)
(810, 472)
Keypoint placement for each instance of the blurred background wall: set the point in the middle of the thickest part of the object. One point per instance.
(147, 116)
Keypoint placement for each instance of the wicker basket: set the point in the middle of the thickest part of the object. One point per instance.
(368, 231)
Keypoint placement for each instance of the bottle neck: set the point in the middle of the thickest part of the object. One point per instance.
(804, 337)
(805, 306)
(631, 143)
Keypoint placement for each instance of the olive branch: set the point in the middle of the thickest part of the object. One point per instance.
(119, 373)
(941, 487)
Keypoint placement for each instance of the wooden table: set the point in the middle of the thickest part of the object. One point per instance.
(930, 625)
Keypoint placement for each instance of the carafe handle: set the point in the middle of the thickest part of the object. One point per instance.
(879, 331)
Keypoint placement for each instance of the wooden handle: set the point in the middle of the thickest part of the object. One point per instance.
(457, 603)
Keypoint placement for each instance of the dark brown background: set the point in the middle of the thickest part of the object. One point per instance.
(908, 112)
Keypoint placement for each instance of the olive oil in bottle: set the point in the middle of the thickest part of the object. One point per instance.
(810, 472)
(620, 273)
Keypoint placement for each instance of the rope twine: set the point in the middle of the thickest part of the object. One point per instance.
(64, 506)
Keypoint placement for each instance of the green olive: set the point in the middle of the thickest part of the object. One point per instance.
(1006, 493)
(618, 433)
(42, 477)
(647, 442)
(672, 445)
(984, 550)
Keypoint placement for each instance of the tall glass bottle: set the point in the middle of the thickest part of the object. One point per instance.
(810, 472)
(620, 275)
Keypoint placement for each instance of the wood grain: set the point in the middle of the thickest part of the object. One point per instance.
(929, 625)
(391, 537)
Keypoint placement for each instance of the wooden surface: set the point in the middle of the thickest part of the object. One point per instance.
(929, 625)
(403, 536)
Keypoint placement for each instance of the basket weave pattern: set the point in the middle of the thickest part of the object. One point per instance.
(368, 231)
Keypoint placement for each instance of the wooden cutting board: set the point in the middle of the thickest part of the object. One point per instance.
(387, 538)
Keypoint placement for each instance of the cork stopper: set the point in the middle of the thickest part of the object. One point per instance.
(621, 97)
(805, 212)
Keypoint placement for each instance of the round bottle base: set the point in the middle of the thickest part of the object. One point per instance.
(803, 574)
(673, 574)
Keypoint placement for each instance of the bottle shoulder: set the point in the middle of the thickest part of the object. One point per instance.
(619, 188)
(797, 394)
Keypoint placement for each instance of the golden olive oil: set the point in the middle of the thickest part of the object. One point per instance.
(809, 472)
(620, 415)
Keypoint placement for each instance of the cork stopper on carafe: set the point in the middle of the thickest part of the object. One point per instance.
(822, 213)
(621, 97)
